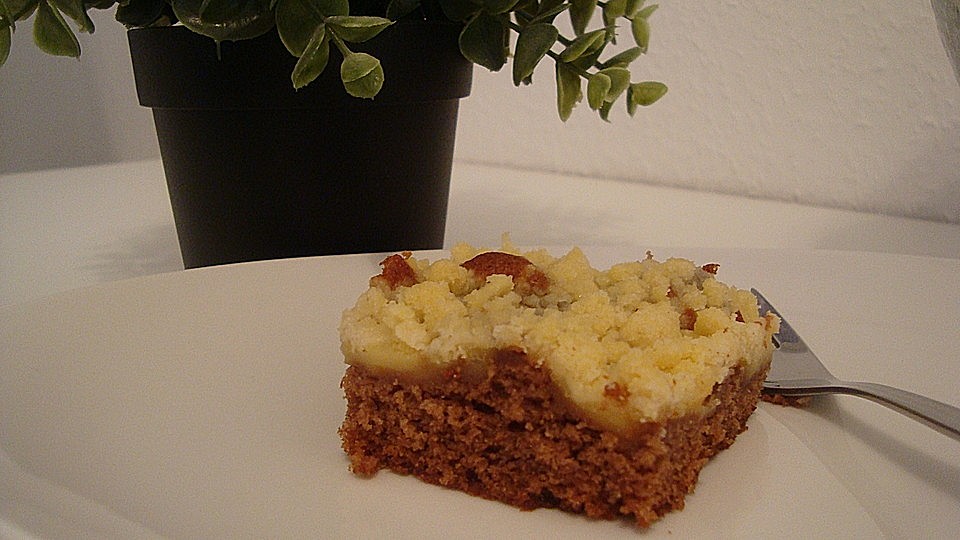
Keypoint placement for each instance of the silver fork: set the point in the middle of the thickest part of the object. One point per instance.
(796, 372)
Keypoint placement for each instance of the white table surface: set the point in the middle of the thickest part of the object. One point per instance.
(892, 309)
(69, 228)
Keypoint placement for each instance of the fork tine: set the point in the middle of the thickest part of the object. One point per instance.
(786, 334)
(793, 359)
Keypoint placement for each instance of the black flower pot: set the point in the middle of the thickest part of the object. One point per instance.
(257, 170)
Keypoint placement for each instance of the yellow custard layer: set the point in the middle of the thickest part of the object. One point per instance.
(641, 341)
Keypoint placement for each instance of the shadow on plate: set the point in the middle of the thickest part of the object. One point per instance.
(153, 250)
(936, 471)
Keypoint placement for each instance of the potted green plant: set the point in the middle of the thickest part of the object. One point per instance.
(306, 127)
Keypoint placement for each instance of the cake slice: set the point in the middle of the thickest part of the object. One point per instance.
(542, 382)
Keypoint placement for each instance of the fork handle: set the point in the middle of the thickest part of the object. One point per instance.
(935, 414)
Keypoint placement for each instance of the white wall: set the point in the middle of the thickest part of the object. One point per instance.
(60, 112)
(850, 104)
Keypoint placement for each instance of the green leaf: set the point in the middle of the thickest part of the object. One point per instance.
(6, 18)
(21, 10)
(357, 29)
(646, 12)
(496, 7)
(631, 105)
(590, 59)
(548, 11)
(52, 34)
(140, 13)
(532, 45)
(569, 92)
(583, 44)
(581, 11)
(641, 32)
(632, 6)
(644, 94)
(76, 11)
(296, 23)
(460, 10)
(547, 6)
(226, 20)
(605, 111)
(597, 88)
(327, 8)
(544, 6)
(297, 20)
(5, 42)
(313, 59)
(398, 8)
(484, 41)
(625, 58)
(101, 4)
(362, 75)
(619, 82)
(613, 10)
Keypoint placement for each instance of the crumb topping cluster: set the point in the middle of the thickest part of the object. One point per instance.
(643, 340)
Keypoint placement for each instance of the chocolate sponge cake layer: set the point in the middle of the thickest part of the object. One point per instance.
(501, 430)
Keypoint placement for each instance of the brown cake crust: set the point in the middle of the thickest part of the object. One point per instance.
(503, 432)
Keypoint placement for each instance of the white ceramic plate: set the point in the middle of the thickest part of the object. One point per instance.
(206, 403)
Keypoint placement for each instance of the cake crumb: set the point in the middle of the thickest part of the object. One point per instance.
(787, 401)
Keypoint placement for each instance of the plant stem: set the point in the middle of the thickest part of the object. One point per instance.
(344, 50)
(582, 72)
